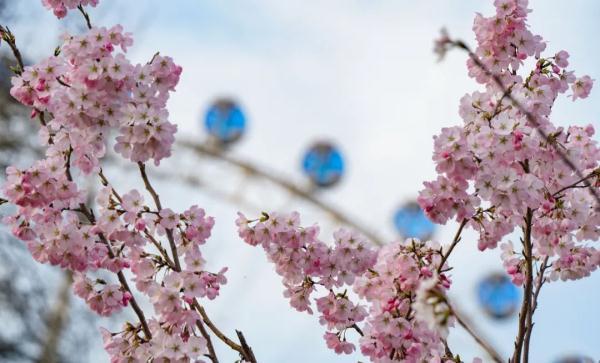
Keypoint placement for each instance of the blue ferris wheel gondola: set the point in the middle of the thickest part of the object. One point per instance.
(225, 121)
(498, 296)
(411, 222)
(323, 164)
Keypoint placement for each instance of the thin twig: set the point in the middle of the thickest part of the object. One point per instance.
(243, 349)
(211, 349)
(453, 244)
(245, 346)
(9, 38)
(136, 308)
(574, 185)
(160, 249)
(358, 329)
(462, 321)
(536, 291)
(156, 198)
(86, 16)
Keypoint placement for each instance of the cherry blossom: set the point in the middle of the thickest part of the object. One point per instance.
(507, 169)
(502, 165)
(60, 7)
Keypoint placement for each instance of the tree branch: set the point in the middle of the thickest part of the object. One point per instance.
(9, 38)
(525, 314)
(574, 185)
(211, 349)
(462, 321)
(134, 305)
(452, 245)
(156, 198)
(244, 350)
(86, 16)
(538, 286)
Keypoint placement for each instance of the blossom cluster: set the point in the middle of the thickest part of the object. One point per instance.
(503, 169)
(83, 95)
(173, 291)
(60, 7)
(394, 329)
(305, 262)
(91, 89)
(409, 313)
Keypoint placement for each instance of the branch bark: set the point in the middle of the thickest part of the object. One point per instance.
(538, 286)
(121, 277)
(525, 318)
(452, 245)
(86, 16)
(476, 335)
(9, 38)
(244, 350)
(156, 198)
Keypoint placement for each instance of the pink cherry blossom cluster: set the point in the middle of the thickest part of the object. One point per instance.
(504, 41)
(395, 329)
(171, 288)
(115, 240)
(60, 7)
(305, 262)
(409, 314)
(90, 90)
(501, 167)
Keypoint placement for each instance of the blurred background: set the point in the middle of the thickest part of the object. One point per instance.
(327, 108)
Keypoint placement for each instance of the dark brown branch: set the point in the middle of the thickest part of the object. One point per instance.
(243, 349)
(9, 38)
(453, 244)
(211, 349)
(358, 330)
(595, 173)
(136, 308)
(149, 186)
(86, 16)
(134, 305)
(156, 198)
(462, 321)
(525, 314)
(248, 351)
(536, 291)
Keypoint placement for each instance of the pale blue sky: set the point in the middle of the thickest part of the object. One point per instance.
(363, 74)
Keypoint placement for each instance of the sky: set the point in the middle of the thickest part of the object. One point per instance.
(363, 75)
